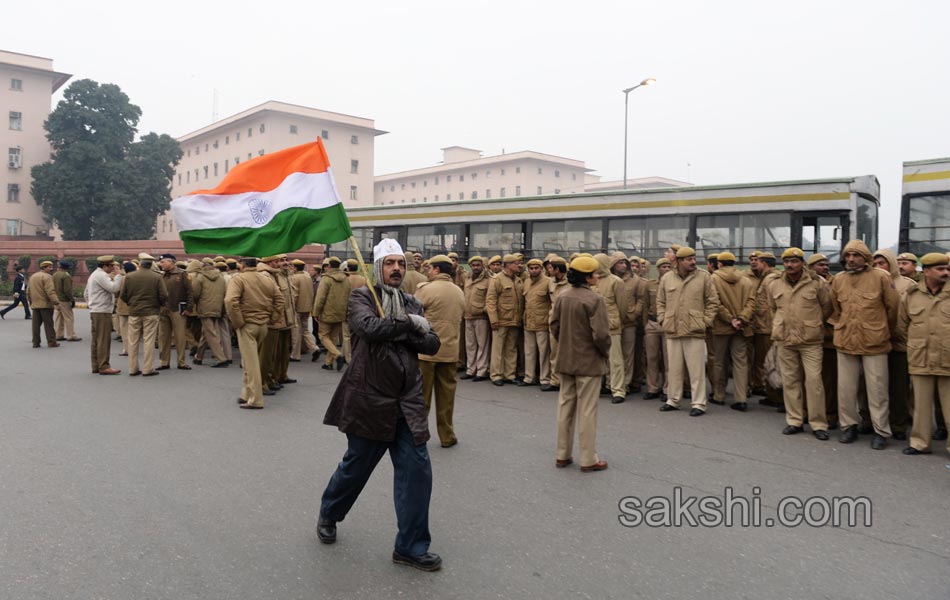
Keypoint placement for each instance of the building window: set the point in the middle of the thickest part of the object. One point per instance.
(206, 147)
(402, 186)
(188, 177)
(13, 192)
(16, 120)
(354, 139)
(382, 189)
(487, 174)
(461, 177)
(437, 180)
(474, 176)
(413, 201)
(502, 193)
(197, 150)
(206, 171)
(189, 153)
(413, 185)
(488, 193)
(227, 140)
(517, 190)
(573, 176)
(354, 166)
(237, 160)
(517, 170)
(16, 85)
(352, 192)
(539, 190)
(227, 165)
(215, 169)
(293, 129)
(325, 134)
(425, 182)
(250, 132)
(237, 136)
(436, 199)
(502, 172)
(557, 172)
(474, 195)
(462, 196)
(14, 157)
(448, 179)
(13, 227)
(215, 145)
(557, 190)
(392, 188)
(539, 170)
(196, 175)
(179, 179)
(249, 156)
(260, 152)
(262, 128)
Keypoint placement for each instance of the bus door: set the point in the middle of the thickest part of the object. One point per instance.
(821, 233)
(394, 233)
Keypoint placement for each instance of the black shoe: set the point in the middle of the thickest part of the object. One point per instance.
(718, 402)
(617, 400)
(521, 383)
(27, 318)
(651, 395)
(759, 392)
(497, 382)
(865, 429)
(688, 394)
(327, 367)
(163, 368)
(667, 407)
(939, 435)
(326, 530)
(634, 388)
(849, 434)
(511, 381)
(820, 434)
(900, 435)
(878, 442)
(480, 378)
(605, 391)
(739, 406)
(197, 362)
(184, 367)
(242, 401)
(220, 365)
(268, 392)
(793, 429)
(832, 425)
(340, 363)
(696, 412)
(316, 355)
(911, 451)
(288, 380)
(3, 316)
(424, 562)
(780, 409)
(465, 376)
(294, 360)
(547, 387)
(135, 373)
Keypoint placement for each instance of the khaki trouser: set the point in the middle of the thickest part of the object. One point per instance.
(124, 332)
(829, 382)
(761, 342)
(439, 377)
(537, 357)
(578, 398)
(282, 356)
(329, 334)
(477, 338)
(615, 376)
(224, 339)
(875, 377)
(463, 348)
(302, 338)
(552, 343)
(925, 388)
(347, 350)
(101, 341)
(687, 357)
(250, 340)
(732, 347)
(267, 353)
(519, 351)
(898, 380)
(657, 362)
(640, 362)
(142, 330)
(793, 361)
(64, 320)
(504, 353)
(172, 325)
(211, 337)
(628, 342)
(43, 318)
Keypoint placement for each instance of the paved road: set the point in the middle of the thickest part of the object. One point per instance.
(113, 487)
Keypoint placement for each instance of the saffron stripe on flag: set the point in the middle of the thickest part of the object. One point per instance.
(266, 172)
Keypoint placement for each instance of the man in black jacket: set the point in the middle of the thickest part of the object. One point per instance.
(19, 294)
(379, 405)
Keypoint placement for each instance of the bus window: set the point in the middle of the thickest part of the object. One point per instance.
(823, 235)
(743, 233)
(488, 239)
(435, 239)
(927, 220)
(565, 237)
(647, 237)
(866, 221)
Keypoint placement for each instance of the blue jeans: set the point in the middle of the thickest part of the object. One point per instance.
(412, 485)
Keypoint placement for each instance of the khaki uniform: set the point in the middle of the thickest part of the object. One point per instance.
(209, 288)
(556, 288)
(63, 317)
(504, 304)
(477, 328)
(865, 313)
(580, 316)
(172, 325)
(122, 312)
(275, 358)
(411, 281)
(145, 293)
(898, 380)
(356, 282)
(631, 318)
(252, 301)
(759, 343)
(654, 343)
(685, 308)
(444, 305)
(537, 311)
(610, 287)
(799, 312)
(737, 301)
(43, 299)
(924, 321)
(329, 307)
(303, 340)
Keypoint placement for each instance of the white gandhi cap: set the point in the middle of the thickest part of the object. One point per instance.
(385, 248)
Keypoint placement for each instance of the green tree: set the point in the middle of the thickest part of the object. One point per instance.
(100, 183)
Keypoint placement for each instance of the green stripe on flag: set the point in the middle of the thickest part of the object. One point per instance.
(289, 231)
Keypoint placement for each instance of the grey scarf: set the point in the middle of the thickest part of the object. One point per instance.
(392, 302)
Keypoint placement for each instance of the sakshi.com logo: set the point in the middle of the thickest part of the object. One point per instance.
(736, 510)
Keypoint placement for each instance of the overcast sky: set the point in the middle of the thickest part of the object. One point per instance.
(746, 91)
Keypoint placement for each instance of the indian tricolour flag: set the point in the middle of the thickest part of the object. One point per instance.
(269, 205)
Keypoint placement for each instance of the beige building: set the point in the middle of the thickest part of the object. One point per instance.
(210, 152)
(27, 84)
(466, 175)
(594, 184)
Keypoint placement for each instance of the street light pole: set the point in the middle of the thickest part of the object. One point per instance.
(626, 112)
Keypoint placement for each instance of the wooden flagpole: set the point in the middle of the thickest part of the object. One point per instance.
(369, 280)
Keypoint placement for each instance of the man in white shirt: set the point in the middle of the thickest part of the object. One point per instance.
(103, 285)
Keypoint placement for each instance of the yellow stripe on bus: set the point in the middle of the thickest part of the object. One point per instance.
(615, 206)
(927, 176)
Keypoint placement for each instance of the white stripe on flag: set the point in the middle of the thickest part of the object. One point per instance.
(255, 209)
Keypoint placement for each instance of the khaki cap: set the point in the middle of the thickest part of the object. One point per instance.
(793, 253)
(454, 255)
(766, 255)
(510, 258)
(715, 256)
(816, 258)
(662, 261)
(685, 251)
(934, 259)
(557, 260)
(207, 260)
(298, 262)
(105, 259)
(907, 256)
(333, 261)
(146, 256)
(46, 263)
(726, 256)
(535, 261)
(440, 258)
(270, 258)
(476, 258)
(585, 264)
